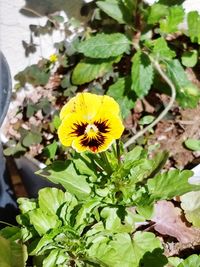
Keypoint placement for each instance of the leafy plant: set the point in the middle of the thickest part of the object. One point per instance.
(121, 53)
(93, 222)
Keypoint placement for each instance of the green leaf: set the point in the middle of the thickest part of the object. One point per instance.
(119, 10)
(12, 254)
(84, 217)
(45, 106)
(142, 74)
(189, 58)
(58, 18)
(65, 174)
(173, 19)
(192, 144)
(146, 120)
(50, 199)
(135, 154)
(11, 232)
(56, 257)
(118, 219)
(174, 261)
(32, 139)
(190, 203)
(105, 45)
(161, 50)
(14, 150)
(193, 21)
(56, 121)
(33, 75)
(26, 204)
(90, 69)
(42, 221)
(157, 12)
(191, 261)
(170, 184)
(154, 259)
(31, 109)
(50, 150)
(188, 94)
(120, 250)
(120, 91)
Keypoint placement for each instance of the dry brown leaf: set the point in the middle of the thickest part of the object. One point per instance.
(168, 221)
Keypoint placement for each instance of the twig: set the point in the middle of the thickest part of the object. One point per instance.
(164, 112)
(38, 14)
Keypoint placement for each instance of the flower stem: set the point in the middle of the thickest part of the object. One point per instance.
(118, 151)
(107, 166)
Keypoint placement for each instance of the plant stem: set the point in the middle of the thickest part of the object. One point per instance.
(118, 151)
(164, 112)
(38, 14)
(6, 223)
(107, 166)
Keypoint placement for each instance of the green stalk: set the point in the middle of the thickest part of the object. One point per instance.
(105, 160)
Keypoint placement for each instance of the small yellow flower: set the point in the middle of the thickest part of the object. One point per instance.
(90, 123)
(53, 58)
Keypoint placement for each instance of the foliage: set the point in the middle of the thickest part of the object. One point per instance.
(114, 54)
(93, 221)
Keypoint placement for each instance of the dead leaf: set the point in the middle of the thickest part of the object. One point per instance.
(168, 221)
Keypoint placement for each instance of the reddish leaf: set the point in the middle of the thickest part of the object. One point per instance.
(168, 221)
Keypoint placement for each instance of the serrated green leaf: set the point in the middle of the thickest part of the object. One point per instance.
(172, 20)
(84, 217)
(161, 50)
(32, 139)
(120, 91)
(56, 257)
(118, 219)
(90, 69)
(170, 184)
(192, 144)
(191, 261)
(26, 204)
(43, 222)
(189, 58)
(157, 12)
(65, 174)
(50, 199)
(154, 259)
(105, 45)
(122, 251)
(188, 94)
(193, 20)
(141, 74)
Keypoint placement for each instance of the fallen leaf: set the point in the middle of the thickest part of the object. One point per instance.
(168, 221)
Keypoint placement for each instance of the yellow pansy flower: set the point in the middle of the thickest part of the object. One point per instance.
(90, 122)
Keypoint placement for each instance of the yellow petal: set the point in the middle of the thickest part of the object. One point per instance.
(88, 105)
(67, 127)
(109, 129)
